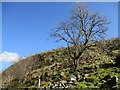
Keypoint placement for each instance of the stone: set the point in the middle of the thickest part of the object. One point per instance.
(114, 80)
(117, 71)
(64, 86)
(93, 69)
(46, 74)
(70, 82)
(63, 81)
(74, 83)
(79, 78)
(73, 79)
(87, 70)
(86, 75)
(104, 86)
(62, 73)
(110, 83)
(107, 77)
(89, 80)
(60, 85)
(56, 85)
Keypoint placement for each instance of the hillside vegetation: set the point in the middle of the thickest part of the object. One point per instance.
(99, 67)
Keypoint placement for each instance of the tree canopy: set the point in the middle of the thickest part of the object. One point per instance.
(82, 27)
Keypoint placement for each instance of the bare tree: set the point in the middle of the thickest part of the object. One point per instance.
(82, 27)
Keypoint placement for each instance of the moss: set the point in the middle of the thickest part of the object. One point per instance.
(81, 84)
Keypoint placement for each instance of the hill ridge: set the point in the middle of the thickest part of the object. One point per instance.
(56, 58)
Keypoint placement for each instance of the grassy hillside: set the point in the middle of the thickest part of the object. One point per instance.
(98, 68)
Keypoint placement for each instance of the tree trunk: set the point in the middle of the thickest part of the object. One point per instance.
(75, 65)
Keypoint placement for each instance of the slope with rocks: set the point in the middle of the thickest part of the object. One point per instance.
(98, 68)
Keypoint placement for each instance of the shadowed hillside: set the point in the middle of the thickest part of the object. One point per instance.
(98, 68)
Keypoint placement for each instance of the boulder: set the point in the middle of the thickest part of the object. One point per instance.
(110, 83)
(106, 77)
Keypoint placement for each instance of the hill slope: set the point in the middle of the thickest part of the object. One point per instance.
(98, 68)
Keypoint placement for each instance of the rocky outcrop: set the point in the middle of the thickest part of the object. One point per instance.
(110, 83)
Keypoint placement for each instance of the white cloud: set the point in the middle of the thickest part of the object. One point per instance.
(9, 57)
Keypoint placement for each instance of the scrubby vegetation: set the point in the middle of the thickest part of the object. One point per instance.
(99, 67)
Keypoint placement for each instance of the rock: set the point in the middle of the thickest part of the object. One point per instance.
(106, 77)
(73, 83)
(68, 79)
(117, 79)
(110, 83)
(59, 85)
(87, 70)
(116, 71)
(104, 86)
(62, 73)
(78, 70)
(96, 84)
(72, 78)
(93, 69)
(64, 85)
(70, 82)
(47, 74)
(79, 78)
(63, 81)
(114, 80)
(117, 60)
(56, 85)
(89, 80)
(86, 75)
